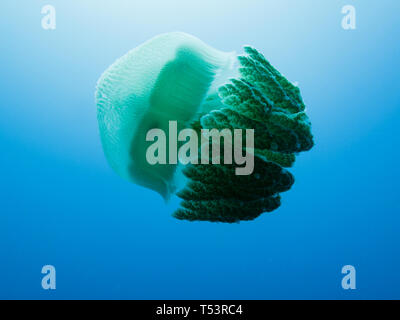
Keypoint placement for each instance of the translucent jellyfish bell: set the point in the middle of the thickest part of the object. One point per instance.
(166, 78)
(177, 77)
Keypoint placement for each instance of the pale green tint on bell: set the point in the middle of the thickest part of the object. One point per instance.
(166, 78)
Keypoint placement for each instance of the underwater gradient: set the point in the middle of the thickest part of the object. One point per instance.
(62, 204)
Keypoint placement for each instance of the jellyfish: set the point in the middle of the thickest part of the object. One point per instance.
(177, 77)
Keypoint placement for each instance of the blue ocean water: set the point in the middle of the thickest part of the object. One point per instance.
(61, 204)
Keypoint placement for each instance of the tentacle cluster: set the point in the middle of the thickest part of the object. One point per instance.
(264, 100)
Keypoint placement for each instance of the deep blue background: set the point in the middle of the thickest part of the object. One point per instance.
(62, 205)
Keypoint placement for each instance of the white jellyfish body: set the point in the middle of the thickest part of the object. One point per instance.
(177, 77)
